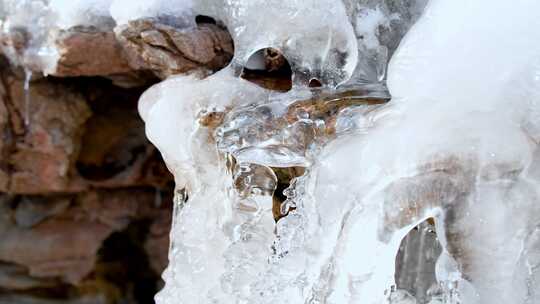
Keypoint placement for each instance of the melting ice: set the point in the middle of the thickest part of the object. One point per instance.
(335, 194)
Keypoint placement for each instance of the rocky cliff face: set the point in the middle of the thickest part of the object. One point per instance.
(85, 200)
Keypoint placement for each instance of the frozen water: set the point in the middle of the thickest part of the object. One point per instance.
(71, 13)
(26, 88)
(124, 11)
(323, 50)
(457, 143)
(448, 146)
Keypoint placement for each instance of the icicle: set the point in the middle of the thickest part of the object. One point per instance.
(27, 110)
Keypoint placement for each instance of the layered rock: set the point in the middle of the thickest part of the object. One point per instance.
(76, 172)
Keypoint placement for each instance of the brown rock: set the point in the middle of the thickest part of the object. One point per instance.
(15, 277)
(32, 210)
(157, 243)
(116, 152)
(46, 149)
(45, 155)
(61, 246)
(64, 244)
(5, 134)
(83, 135)
(88, 51)
(28, 299)
(167, 50)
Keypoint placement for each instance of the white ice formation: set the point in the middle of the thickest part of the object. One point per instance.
(457, 143)
(456, 146)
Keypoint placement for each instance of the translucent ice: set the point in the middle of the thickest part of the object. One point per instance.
(457, 143)
(323, 50)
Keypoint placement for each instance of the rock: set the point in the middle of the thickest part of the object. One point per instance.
(26, 299)
(45, 149)
(64, 244)
(5, 134)
(32, 210)
(80, 175)
(116, 152)
(45, 155)
(89, 51)
(167, 50)
(157, 243)
(15, 277)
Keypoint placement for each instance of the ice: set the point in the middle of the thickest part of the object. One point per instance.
(207, 232)
(323, 50)
(82, 13)
(124, 11)
(458, 152)
(26, 88)
(379, 27)
(457, 145)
